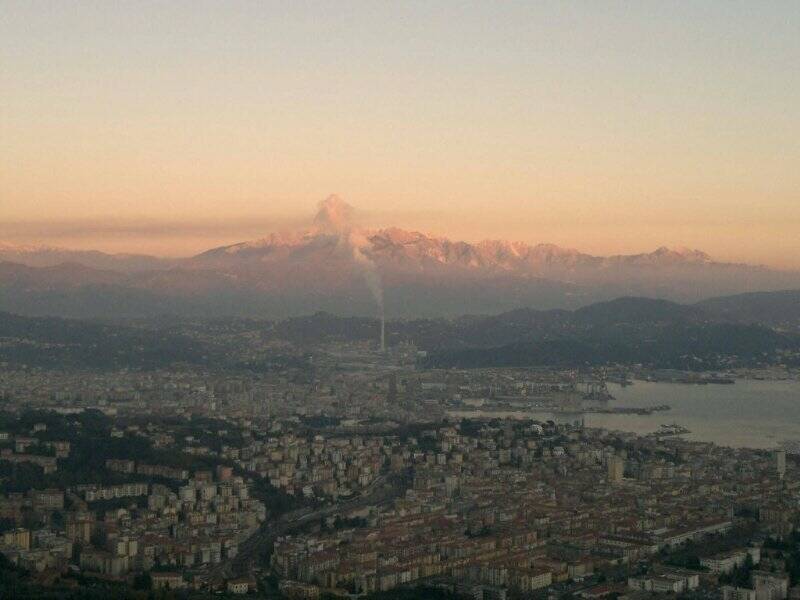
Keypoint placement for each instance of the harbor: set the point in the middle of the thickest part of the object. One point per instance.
(752, 413)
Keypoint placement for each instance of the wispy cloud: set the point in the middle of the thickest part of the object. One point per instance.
(140, 227)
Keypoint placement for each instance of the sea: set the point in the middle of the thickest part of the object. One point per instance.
(746, 414)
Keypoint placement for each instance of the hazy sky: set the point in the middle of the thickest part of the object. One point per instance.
(606, 126)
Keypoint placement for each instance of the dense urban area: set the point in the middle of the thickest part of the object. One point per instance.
(349, 470)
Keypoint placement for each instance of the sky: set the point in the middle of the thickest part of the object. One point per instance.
(610, 127)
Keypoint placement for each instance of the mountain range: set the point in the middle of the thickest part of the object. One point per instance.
(335, 266)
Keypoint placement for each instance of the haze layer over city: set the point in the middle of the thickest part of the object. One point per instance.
(378, 301)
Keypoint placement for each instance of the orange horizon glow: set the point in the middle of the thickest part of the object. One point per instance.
(611, 129)
(188, 237)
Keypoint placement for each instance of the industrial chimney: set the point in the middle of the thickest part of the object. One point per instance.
(383, 332)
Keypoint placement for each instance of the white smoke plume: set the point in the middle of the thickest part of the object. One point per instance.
(335, 217)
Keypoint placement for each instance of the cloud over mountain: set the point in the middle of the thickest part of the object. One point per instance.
(334, 215)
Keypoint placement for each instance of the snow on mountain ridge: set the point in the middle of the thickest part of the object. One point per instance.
(393, 243)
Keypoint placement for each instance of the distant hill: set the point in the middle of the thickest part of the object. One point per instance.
(628, 330)
(778, 309)
(59, 343)
(639, 310)
(697, 347)
(49, 256)
(653, 332)
(708, 346)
